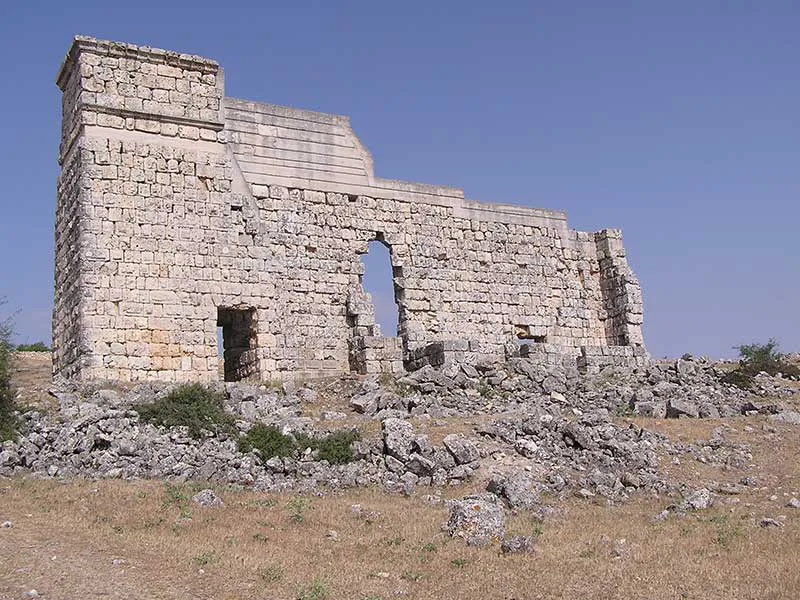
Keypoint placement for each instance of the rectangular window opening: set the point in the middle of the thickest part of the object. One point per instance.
(239, 335)
(527, 335)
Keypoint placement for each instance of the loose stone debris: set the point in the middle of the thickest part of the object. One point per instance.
(524, 439)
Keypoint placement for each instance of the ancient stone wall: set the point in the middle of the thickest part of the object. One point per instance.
(181, 211)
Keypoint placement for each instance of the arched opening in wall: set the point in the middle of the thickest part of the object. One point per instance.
(375, 313)
(378, 282)
(239, 335)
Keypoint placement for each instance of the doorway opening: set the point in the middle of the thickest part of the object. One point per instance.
(239, 336)
(380, 282)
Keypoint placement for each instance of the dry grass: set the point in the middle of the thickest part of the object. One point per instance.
(145, 539)
(66, 535)
(31, 377)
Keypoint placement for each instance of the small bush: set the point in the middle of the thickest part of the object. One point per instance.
(755, 358)
(268, 440)
(739, 378)
(193, 406)
(174, 496)
(8, 421)
(336, 448)
(760, 354)
(37, 347)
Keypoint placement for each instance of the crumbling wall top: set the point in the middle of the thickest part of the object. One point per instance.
(123, 50)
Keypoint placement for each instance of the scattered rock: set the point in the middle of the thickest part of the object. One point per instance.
(398, 438)
(788, 417)
(540, 416)
(464, 451)
(681, 408)
(477, 519)
(366, 404)
(332, 535)
(207, 498)
(519, 544)
(768, 522)
(517, 489)
(656, 410)
(7, 525)
(793, 503)
(697, 500)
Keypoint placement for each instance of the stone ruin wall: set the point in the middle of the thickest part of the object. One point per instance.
(180, 211)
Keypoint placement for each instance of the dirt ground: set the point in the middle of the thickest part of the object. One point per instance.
(147, 539)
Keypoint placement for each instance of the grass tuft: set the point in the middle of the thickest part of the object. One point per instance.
(318, 590)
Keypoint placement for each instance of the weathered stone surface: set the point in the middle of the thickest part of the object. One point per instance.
(464, 451)
(479, 520)
(680, 408)
(698, 500)
(789, 417)
(207, 498)
(517, 489)
(366, 404)
(398, 437)
(180, 210)
(519, 544)
(657, 410)
(419, 465)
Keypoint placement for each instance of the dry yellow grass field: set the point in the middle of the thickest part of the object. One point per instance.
(146, 539)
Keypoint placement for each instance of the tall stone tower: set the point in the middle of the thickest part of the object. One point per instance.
(142, 149)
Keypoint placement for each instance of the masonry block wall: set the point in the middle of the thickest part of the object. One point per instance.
(180, 211)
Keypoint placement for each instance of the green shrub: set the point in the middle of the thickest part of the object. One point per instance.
(336, 447)
(193, 406)
(268, 440)
(8, 421)
(755, 358)
(37, 347)
(760, 354)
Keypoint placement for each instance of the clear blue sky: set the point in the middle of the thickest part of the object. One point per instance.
(678, 122)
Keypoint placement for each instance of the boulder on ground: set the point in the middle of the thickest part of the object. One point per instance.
(517, 489)
(207, 498)
(398, 438)
(463, 450)
(479, 520)
(519, 544)
(681, 408)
